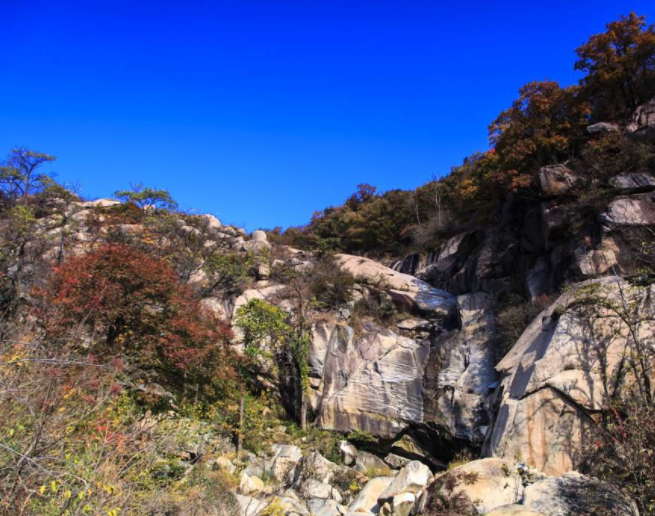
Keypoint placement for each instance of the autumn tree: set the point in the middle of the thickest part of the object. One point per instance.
(543, 126)
(127, 303)
(620, 67)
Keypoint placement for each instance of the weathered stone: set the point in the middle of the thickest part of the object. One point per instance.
(412, 478)
(485, 483)
(603, 128)
(284, 461)
(412, 324)
(320, 507)
(347, 452)
(556, 180)
(403, 504)
(636, 210)
(212, 222)
(633, 183)
(556, 374)
(249, 506)
(315, 489)
(404, 289)
(291, 506)
(396, 461)
(642, 126)
(318, 346)
(574, 493)
(366, 462)
(250, 484)
(225, 464)
(594, 262)
(367, 499)
(374, 383)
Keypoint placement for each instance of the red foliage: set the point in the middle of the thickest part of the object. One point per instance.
(133, 305)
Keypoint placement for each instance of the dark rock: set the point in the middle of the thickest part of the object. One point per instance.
(556, 180)
(603, 128)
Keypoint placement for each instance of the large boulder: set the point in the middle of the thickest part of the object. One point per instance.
(413, 478)
(634, 210)
(642, 126)
(592, 262)
(367, 499)
(633, 183)
(321, 507)
(563, 368)
(574, 493)
(283, 464)
(485, 484)
(404, 289)
(556, 180)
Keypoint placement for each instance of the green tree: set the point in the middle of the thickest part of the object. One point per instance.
(148, 199)
(19, 177)
(265, 325)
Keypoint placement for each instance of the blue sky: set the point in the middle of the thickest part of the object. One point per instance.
(262, 112)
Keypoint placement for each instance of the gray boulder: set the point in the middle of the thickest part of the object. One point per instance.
(574, 493)
(633, 183)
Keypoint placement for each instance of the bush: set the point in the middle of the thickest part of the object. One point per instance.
(621, 451)
(131, 305)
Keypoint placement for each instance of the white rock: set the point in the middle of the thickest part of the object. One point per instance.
(412, 478)
(250, 484)
(212, 222)
(403, 504)
(348, 453)
(486, 483)
(367, 499)
(249, 506)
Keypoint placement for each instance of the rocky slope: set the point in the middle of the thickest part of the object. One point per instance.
(428, 380)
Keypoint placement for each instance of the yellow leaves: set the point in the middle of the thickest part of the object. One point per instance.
(69, 393)
(113, 512)
(42, 490)
(67, 494)
(54, 487)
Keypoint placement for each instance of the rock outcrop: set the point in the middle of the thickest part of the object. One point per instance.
(566, 366)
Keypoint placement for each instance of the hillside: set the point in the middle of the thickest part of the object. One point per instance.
(483, 344)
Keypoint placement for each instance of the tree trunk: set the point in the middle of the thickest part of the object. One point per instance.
(303, 410)
(242, 417)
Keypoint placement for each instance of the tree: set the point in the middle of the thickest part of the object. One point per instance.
(19, 177)
(620, 67)
(543, 126)
(132, 305)
(148, 199)
(263, 325)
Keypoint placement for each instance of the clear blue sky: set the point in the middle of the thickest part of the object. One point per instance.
(263, 111)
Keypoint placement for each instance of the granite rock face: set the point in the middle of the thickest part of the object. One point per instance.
(461, 373)
(373, 383)
(563, 368)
